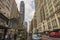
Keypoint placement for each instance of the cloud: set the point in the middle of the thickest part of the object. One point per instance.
(29, 17)
(29, 9)
(28, 12)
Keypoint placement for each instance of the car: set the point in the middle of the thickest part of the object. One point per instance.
(36, 37)
(40, 36)
(54, 34)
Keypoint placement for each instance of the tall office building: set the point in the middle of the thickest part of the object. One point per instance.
(39, 13)
(52, 14)
(22, 13)
(8, 10)
(21, 29)
(22, 10)
(31, 27)
(8, 16)
(47, 15)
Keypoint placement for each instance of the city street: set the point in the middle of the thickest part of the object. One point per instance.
(44, 37)
(29, 19)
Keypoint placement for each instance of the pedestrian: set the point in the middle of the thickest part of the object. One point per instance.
(15, 36)
(6, 37)
(44, 37)
(10, 36)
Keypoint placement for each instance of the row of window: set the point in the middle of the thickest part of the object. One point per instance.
(59, 20)
(50, 6)
(2, 22)
(45, 2)
(49, 2)
(3, 5)
(57, 5)
(55, 1)
(54, 24)
(50, 11)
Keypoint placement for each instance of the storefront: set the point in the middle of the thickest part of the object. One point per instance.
(3, 26)
(1, 34)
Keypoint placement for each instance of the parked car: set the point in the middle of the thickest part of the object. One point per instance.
(36, 37)
(54, 34)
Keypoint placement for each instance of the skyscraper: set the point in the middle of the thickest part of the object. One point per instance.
(8, 16)
(47, 15)
(22, 13)
(22, 9)
(21, 20)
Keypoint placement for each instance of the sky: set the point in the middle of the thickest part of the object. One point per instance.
(29, 10)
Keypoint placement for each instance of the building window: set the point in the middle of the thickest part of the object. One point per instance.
(45, 8)
(52, 17)
(7, 7)
(49, 25)
(8, 4)
(58, 14)
(2, 4)
(54, 24)
(10, 23)
(44, 27)
(49, 2)
(46, 12)
(51, 10)
(9, 0)
(50, 6)
(57, 5)
(40, 29)
(59, 20)
(55, 1)
(44, 2)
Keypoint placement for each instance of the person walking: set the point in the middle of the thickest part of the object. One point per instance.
(10, 36)
(15, 36)
(6, 37)
(44, 37)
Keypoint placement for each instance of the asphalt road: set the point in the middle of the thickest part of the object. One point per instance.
(49, 38)
(54, 38)
(44, 37)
